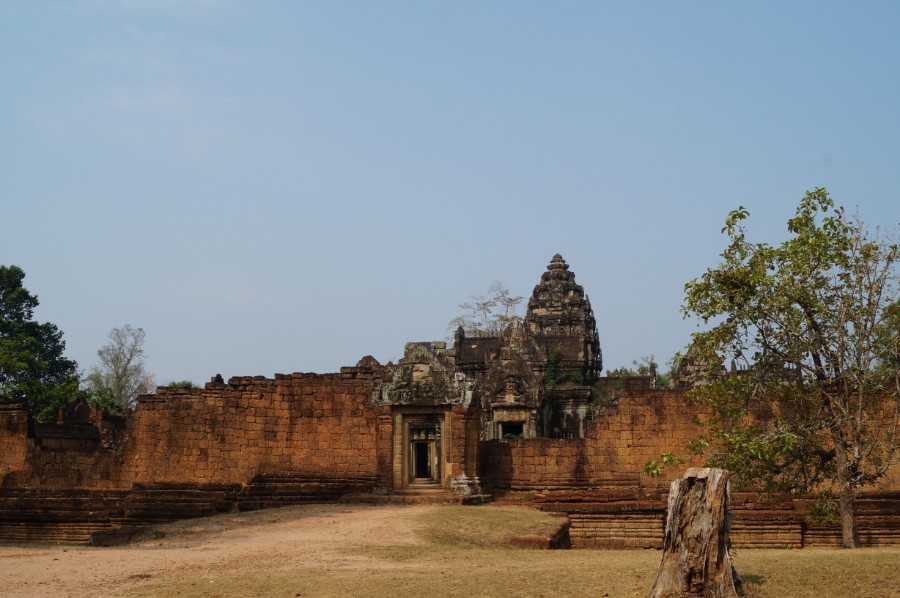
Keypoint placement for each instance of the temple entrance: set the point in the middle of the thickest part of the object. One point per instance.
(424, 451)
(422, 459)
(419, 451)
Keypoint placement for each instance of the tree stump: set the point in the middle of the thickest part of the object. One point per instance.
(695, 559)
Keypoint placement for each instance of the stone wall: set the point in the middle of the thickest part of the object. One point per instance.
(14, 441)
(258, 442)
(597, 482)
(638, 428)
(224, 433)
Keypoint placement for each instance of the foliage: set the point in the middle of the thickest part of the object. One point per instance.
(32, 367)
(661, 381)
(489, 313)
(674, 363)
(889, 360)
(655, 468)
(607, 389)
(814, 323)
(106, 400)
(554, 373)
(647, 366)
(120, 377)
(825, 510)
(181, 384)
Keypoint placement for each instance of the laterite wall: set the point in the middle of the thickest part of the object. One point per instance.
(621, 440)
(226, 433)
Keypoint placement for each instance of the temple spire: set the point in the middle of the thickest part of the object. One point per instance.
(558, 307)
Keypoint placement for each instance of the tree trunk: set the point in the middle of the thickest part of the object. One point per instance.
(849, 533)
(695, 559)
(847, 494)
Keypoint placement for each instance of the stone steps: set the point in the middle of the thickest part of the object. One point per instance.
(617, 530)
(55, 516)
(267, 491)
(162, 503)
(554, 538)
(599, 519)
(56, 532)
(402, 499)
(415, 493)
(422, 488)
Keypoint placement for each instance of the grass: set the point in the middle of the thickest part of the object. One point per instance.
(816, 572)
(467, 528)
(463, 554)
(457, 572)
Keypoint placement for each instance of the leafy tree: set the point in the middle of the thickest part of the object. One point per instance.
(120, 377)
(889, 364)
(814, 321)
(32, 367)
(489, 313)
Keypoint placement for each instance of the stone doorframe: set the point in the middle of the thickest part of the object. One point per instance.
(406, 422)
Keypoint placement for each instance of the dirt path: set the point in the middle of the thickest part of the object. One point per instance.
(205, 549)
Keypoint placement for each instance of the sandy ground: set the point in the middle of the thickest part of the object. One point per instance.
(205, 549)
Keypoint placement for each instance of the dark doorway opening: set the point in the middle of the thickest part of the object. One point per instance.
(423, 460)
(509, 430)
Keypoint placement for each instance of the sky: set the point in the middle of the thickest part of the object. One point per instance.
(288, 186)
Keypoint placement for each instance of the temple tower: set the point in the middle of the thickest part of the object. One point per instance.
(560, 314)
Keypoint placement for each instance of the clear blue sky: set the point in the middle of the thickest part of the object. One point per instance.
(287, 186)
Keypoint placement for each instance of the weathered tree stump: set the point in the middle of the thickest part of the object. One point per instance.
(695, 559)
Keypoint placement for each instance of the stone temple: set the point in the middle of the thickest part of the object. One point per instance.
(523, 415)
(502, 378)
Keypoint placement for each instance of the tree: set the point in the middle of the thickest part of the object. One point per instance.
(814, 322)
(120, 377)
(489, 313)
(32, 367)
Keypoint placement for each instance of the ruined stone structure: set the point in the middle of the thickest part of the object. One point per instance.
(511, 372)
(516, 415)
(494, 386)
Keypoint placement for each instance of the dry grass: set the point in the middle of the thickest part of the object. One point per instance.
(463, 554)
(817, 572)
(341, 550)
(488, 527)
(462, 572)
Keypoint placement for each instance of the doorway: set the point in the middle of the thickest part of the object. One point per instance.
(422, 457)
(424, 453)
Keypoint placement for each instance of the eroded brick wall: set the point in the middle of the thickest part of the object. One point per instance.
(64, 461)
(326, 430)
(597, 481)
(621, 440)
(639, 428)
(310, 423)
(14, 442)
(226, 433)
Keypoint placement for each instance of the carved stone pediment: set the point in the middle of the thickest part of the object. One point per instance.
(424, 376)
(513, 393)
(510, 380)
